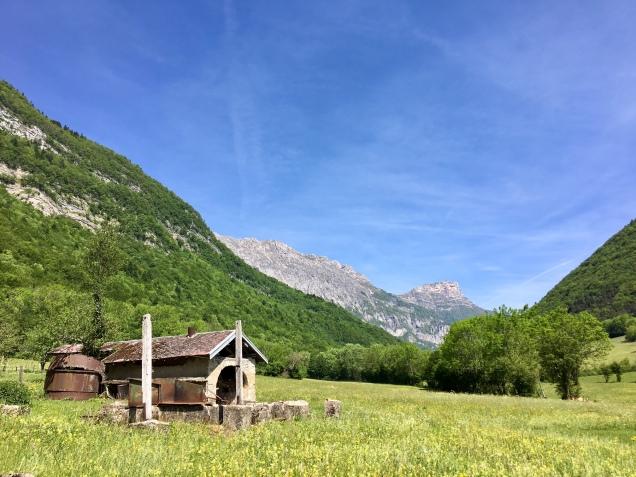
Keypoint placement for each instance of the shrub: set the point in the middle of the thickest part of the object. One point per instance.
(630, 334)
(12, 392)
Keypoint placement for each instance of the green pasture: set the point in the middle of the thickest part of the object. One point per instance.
(384, 430)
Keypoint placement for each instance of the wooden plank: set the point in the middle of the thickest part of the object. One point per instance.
(146, 366)
(238, 354)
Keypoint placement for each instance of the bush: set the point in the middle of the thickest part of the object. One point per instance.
(630, 334)
(12, 392)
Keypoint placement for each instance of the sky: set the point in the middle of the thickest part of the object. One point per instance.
(489, 143)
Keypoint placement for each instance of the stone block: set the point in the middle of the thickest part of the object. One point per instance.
(113, 413)
(280, 411)
(14, 410)
(297, 409)
(332, 408)
(136, 414)
(261, 412)
(237, 416)
(208, 414)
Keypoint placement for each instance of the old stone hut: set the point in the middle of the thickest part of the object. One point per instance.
(195, 367)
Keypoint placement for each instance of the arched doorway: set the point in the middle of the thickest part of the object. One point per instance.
(226, 385)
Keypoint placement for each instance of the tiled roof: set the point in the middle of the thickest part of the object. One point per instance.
(165, 347)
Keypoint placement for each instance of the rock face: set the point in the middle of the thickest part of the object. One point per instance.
(443, 297)
(421, 315)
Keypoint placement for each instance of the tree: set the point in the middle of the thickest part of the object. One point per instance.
(47, 317)
(100, 262)
(487, 354)
(617, 369)
(618, 325)
(297, 364)
(606, 371)
(567, 341)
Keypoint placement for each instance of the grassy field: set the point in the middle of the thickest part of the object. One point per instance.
(622, 349)
(385, 430)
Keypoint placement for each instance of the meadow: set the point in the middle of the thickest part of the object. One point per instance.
(384, 430)
(621, 349)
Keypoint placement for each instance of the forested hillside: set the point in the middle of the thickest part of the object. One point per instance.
(604, 284)
(57, 188)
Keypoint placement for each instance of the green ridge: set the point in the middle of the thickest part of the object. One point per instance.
(190, 279)
(605, 283)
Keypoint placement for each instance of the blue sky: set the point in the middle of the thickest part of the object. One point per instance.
(490, 143)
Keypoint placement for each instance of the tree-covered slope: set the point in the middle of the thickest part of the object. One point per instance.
(57, 187)
(605, 283)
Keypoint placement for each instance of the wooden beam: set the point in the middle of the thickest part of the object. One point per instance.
(146, 366)
(238, 354)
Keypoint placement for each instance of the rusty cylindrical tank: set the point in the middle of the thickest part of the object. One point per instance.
(74, 376)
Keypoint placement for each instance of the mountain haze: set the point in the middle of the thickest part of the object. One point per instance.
(57, 187)
(421, 315)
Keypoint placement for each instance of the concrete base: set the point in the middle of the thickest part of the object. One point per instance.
(235, 416)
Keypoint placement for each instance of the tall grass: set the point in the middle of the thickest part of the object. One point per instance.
(384, 430)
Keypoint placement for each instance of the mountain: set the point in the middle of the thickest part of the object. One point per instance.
(605, 283)
(57, 187)
(422, 315)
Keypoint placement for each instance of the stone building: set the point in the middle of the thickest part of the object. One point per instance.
(189, 368)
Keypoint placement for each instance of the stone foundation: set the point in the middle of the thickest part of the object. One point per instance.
(232, 416)
(237, 417)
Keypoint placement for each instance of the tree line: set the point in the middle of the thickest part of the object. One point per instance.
(402, 363)
(512, 351)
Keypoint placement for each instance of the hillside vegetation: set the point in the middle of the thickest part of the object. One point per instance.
(173, 266)
(604, 284)
(384, 430)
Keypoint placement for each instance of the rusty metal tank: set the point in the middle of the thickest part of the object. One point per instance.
(74, 376)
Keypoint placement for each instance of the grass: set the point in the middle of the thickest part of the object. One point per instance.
(622, 349)
(384, 430)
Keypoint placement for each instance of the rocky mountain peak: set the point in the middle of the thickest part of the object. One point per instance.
(421, 315)
(440, 295)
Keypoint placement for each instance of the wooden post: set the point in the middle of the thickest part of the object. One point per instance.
(21, 374)
(146, 366)
(238, 354)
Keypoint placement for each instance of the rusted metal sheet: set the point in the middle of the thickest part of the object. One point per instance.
(135, 397)
(72, 384)
(73, 376)
(78, 362)
(169, 391)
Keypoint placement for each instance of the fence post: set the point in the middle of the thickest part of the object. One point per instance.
(146, 366)
(21, 375)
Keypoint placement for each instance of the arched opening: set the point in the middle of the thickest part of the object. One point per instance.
(226, 386)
